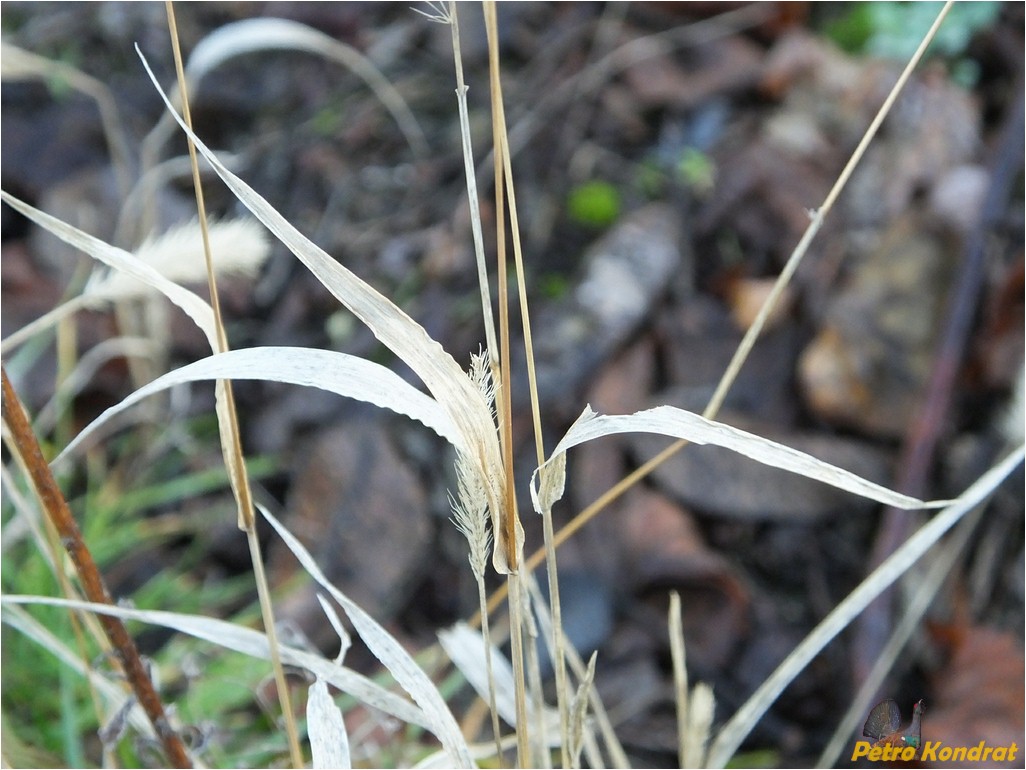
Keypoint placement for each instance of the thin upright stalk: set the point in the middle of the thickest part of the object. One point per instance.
(233, 452)
(558, 658)
(505, 407)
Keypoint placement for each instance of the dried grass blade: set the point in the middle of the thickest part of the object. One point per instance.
(678, 655)
(254, 35)
(339, 373)
(926, 590)
(451, 17)
(253, 643)
(395, 329)
(391, 654)
(679, 423)
(240, 246)
(465, 649)
(579, 713)
(329, 741)
(193, 306)
(734, 732)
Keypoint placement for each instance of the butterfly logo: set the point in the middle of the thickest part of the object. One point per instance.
(885, 726)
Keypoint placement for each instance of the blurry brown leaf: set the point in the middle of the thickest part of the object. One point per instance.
(934, 127)
(979, 694)
(718, 67)
(364, 514)
(869, 364)
(665, 550)
(748, 295)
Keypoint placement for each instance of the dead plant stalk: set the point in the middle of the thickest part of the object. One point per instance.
(57, 510)
(228, 422)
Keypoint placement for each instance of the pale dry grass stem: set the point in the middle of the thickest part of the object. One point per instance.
(504, 183)
(228, 423)
(504, 405)
(695, 707)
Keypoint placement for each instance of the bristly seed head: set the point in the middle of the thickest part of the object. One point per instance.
(481, 376)
(470, 513)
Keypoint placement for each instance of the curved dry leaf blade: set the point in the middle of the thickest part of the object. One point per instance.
(446, 381)
(390, 653)
(197, 309)
(329, 741)
(701, 709)
(345, 642)
(734, 732)
(267, 34)
(193, 306)
(579, 712)
(679, 423)
(325, 369)
(239, 247)
(252, 643)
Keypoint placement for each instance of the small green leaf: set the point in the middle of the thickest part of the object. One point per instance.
(596, 204)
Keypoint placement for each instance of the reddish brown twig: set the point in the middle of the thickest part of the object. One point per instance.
(57, 511)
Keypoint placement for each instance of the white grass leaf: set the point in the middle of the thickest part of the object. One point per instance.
(196, 308)
(255, 35)
(339, 373)
(465, 649)
(345, 642)
(444, 378)
(551, 481)
(679, 423)
(239, 246)
(390, 653)
(579, 713)
(701, 709)
(329, 742)
(731, 735)
(252, 643)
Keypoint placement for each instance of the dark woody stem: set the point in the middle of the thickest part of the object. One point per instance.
(57, 511)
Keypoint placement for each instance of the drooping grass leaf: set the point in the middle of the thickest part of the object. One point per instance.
(329, 742)
(252, 643)
(444, 378)
(390, 653)
(679, 423)
(339, 373)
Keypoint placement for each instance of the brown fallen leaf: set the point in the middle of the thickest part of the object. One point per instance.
(363, 512)
(664, 550)
(979, 694)
(871, 360)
